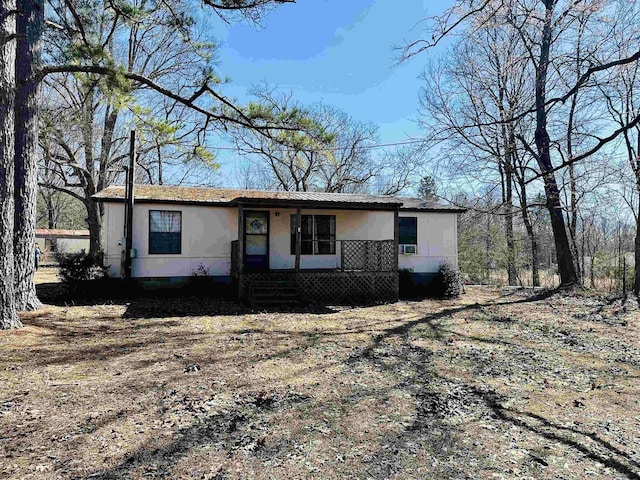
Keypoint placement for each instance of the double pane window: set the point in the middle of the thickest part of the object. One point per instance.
(165, 232)
(318, 235)
(408, 230)
(325, 234)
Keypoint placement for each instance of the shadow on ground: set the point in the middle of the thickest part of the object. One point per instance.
(165, 303)
(440, 397)
(238, 428)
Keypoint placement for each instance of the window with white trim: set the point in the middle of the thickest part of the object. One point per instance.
(408, 227)
(165, 232)
(318, 235)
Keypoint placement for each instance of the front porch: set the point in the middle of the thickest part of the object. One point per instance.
(368, 273)
(284, 255)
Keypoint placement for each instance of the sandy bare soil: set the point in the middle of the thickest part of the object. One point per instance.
(490, 385)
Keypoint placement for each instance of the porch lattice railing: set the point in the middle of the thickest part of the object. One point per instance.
(355, 256)
(368, 255)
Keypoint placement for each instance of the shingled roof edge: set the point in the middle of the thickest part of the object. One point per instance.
(407, 204)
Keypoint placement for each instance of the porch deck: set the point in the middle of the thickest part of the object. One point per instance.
(368, 273)
(327, 286)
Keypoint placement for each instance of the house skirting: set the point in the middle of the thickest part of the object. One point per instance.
(335, 287)
(328, 287)
(413, 284)
(216, 286)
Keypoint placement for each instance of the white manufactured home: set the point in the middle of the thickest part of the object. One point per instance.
(53, 241)
(328, 246)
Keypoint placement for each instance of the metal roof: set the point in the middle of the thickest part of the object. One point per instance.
(420, 204)
(56, 233)
(230, 197)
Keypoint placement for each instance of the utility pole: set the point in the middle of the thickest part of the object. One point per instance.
(128, 207)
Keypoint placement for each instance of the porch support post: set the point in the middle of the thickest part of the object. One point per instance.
(298, 237)
(396, 242)
(240, 238)
(396, 237)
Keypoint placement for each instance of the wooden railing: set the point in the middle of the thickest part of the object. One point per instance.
(368, 255)
(235, 258)
(355, 256)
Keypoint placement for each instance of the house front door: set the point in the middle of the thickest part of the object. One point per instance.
(256, 241)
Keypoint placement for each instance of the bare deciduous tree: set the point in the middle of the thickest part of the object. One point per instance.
(562, 70)
(331, 152)
(88, 117)
(85, 46)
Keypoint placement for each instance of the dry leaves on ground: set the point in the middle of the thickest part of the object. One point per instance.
(489, 385)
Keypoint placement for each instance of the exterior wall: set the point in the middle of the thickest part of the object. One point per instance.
(112, 233)
(207, 233)
(350, 225)
(64, 244)
(72, 245)
(437, 242)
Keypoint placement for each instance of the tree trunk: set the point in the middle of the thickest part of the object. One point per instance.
(160, 179)
(505, 165)
(528, 224)
(634, 160)
(487, 247)
(636, 261)
(573, 219)
(564, 256)
(582, 256)
(8, 315)
(636, 252)
(566, 268)
(28, 53)
(535, 275)
(508, 227)
(48, 193)
(94, 221)
(573, 185)
(51, 213)
(511, 265)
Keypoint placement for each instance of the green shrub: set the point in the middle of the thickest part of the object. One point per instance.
(81, 271)
(447, 282)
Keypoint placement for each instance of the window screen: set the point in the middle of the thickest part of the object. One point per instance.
(318, 234)
(408, 230)
(325, 234)
(165, 232)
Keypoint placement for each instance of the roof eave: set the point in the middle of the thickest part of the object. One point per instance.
(434, 210)
(264, 202)
(166, 201)
(292, 203)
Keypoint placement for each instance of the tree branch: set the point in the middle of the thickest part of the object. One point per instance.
(63, 190)
(242, 118)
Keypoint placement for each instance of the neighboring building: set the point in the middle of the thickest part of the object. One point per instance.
(348, 247)
(62, 241)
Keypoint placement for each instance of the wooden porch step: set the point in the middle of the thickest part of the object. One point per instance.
(273, 283)
(273, 292)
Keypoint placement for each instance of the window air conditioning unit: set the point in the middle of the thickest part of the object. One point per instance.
(408, 249)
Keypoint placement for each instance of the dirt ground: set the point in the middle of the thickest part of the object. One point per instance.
(490, 385)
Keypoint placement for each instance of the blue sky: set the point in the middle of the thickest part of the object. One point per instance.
(340, 52)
